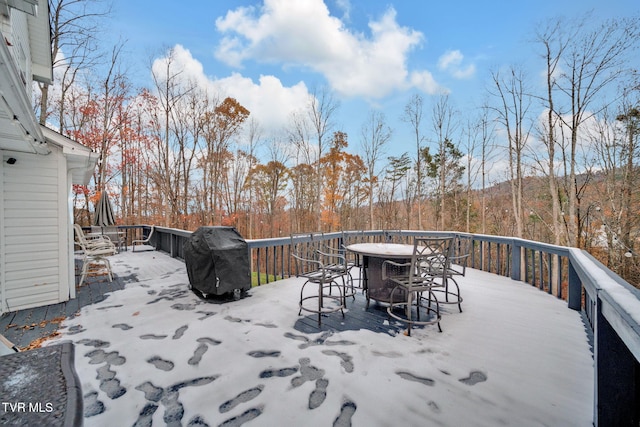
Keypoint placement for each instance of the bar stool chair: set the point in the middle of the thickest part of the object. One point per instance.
(425, 274)
(320, 270)
(354, 260)
(456, 266)
(337, 259)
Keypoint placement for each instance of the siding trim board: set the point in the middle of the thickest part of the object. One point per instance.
(62, 227)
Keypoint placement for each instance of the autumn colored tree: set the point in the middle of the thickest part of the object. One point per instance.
(302, 198)
(353, 193)
(136, 162)
(95, 122)
(269, 182)
(219, 126)
(332, 168)
(343, 182)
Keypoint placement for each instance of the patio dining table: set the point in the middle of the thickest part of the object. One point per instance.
(373, 257)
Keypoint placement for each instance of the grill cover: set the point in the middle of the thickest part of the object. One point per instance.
(217, 260)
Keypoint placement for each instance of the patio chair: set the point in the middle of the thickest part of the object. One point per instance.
(313, 265)
(354, 260)
(456, 266)
(89, 241)
(116, 236)
(94, 254)
(144, 240)
(336, 259)
(425, 273)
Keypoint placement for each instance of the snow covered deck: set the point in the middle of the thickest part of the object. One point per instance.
(154, 351)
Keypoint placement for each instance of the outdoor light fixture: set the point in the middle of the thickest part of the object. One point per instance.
(11, 161)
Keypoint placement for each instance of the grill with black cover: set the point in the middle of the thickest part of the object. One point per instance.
(217, 260)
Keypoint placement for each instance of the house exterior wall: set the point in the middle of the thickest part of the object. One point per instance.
(16, 31)
(34, 253)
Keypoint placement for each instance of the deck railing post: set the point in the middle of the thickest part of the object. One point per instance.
(574, 297)
(516, 258)
(617, 381)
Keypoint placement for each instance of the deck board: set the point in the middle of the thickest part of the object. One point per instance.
(22, 327)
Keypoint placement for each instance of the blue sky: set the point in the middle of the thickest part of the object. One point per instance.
(373, 54)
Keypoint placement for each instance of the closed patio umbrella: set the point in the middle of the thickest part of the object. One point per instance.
(104, 216)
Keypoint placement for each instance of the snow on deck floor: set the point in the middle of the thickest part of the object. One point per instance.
(155, 354)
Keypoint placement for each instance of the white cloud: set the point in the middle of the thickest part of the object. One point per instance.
(345, 7)
(424, 81)
(451, 62)
(268, 100)
(304, 34)
(449, 59)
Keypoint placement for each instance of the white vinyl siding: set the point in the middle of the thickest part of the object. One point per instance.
(33, 233)
(20, 49)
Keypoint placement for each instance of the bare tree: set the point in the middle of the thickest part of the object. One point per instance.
(75, 29)
(322, 108)
(554, 41)
(253, 135)
(298, 132)
(473, 137)
(513, 110)
(486, 130)
(114, 88)
(594, 59)
(96, 120)
(444, 125)
(395, 176)
(629, 119)
(304, 174)
(413, 116)
(171, 91)
(374, 137)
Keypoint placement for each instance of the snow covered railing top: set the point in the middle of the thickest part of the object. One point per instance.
(618, 301)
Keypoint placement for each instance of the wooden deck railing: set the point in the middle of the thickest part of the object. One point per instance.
(609, 305)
